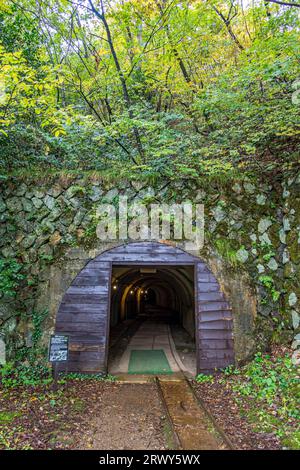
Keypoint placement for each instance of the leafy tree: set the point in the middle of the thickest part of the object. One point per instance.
(152, 86)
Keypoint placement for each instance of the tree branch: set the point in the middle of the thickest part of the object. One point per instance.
(227, 22)
(102, 17)
(288, 4)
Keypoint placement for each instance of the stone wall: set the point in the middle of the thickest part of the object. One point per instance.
(251, 244)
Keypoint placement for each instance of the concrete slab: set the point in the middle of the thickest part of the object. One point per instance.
(135, 379)
(152, 334)
(189, 420)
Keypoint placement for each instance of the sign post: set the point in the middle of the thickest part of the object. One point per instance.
(58, 352)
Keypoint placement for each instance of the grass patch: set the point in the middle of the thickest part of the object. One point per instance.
(8, 416)
(203, 378)
(86, 377)
(292, 440)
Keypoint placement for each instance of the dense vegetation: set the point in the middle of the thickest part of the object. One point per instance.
(266, 393)
(152, 86)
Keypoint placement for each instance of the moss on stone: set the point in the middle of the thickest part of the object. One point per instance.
(50, 213)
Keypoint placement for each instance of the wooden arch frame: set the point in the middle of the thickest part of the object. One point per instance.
(84, 313)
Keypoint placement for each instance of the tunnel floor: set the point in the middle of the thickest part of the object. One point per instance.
(154, 334)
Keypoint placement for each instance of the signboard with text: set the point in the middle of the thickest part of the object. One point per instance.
(59, 348)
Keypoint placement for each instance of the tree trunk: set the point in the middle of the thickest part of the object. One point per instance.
(126, 97)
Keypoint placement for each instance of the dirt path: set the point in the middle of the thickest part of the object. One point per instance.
(145, 416)
(131, 416)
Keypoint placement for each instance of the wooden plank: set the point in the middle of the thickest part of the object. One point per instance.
(152, 263)
(202, 267)
(218, 315)
(207, 287)
(206, 278)
(216, 354)
(216, 344)
(95, 268)
(216, 325)
(80, 308)
(90, 280)
(87, 347)
(89, 290)
(86, 356)
(209, 296)
(105, 264)
(214, 334)
(108, 318)
(92, 269)
(101, 265)
(80, 317)
(85, 299)
(81, 326)
(146, 248)
(82, 336)
(83, 366)
(213, 306)
(151, 258)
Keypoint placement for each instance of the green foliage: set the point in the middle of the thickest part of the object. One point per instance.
(19, 31)
(266, 380)
(37, 319)
(10, 276)
(269, 255)
(292, 441)
(230, 370)
(268, 283)
(27, 374)
(184, 98)
(272, 390)
(9, 438)
(226, 249)
(203, 378)
(83, 377)
(249, 109)
(7, 416)
(46, 258)
(30, 366)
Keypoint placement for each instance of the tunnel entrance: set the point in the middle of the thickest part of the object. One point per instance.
(150, 286)
(152, 310)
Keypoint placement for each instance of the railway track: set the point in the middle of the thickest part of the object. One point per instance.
(193, 426)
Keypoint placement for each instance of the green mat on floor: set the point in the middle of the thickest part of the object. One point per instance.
(148, 361)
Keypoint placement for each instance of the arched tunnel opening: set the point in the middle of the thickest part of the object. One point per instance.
(152, 309)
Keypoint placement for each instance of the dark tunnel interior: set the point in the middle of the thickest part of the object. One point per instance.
(164, 294)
